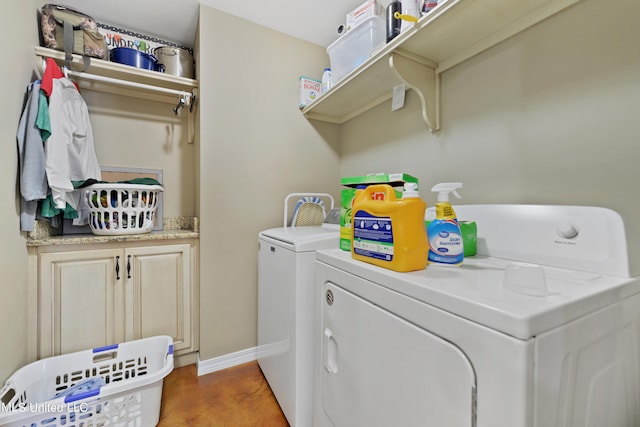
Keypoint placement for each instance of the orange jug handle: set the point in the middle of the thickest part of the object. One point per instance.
(379, 192)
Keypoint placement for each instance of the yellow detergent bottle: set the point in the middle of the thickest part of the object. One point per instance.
(387, 231)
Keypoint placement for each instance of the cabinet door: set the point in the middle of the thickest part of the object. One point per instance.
(80, 301)
(159, 294)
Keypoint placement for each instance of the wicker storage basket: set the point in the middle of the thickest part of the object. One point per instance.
(116, 209)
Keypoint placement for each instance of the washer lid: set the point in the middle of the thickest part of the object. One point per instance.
(477, 291)
(302, 239)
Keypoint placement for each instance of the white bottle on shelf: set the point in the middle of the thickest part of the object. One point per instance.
(326, 80)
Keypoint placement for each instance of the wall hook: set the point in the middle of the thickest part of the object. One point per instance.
(177, 108)
(182, 101)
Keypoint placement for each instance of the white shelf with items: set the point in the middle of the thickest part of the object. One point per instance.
(120, 79)
(111, 74)
(451, 33)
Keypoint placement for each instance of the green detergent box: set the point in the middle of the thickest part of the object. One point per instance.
(349, 193)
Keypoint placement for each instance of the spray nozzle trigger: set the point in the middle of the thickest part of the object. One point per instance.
(443, 190)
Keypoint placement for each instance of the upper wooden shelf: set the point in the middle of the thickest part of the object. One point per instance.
(451, 33)
(120, 78)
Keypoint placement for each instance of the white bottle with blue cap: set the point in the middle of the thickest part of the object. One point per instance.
(326, 80)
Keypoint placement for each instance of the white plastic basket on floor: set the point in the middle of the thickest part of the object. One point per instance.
(116, 209)
(132, 374)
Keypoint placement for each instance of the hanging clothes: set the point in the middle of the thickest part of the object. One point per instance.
(52, 71)
(55, 145)
(33, 130)
(69, 151)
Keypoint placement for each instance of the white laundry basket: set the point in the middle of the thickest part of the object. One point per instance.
(132, 373)
(117, 208)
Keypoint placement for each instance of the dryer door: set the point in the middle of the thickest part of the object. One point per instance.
(380, 370)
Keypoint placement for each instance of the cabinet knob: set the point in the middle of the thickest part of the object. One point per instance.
(117, 267)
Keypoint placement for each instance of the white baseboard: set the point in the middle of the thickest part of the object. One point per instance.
(226, 361)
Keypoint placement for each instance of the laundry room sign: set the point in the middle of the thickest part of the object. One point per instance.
(118, 37)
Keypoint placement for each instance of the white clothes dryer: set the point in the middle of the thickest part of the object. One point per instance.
(286, 263)
(541, 329)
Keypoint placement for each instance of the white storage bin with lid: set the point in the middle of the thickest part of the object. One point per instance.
(354, 48)
(120, 208)
(53, 392)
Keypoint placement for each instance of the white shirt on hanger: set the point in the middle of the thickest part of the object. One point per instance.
(69, 151)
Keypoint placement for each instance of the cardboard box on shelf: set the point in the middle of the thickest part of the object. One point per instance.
(309, 91)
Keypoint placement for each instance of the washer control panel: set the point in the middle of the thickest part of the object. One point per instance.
(584, 238)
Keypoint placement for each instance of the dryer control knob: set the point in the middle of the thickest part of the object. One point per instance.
(568, 231)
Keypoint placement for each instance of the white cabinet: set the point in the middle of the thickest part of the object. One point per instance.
(94, 296)
(450, 34)
(88, 293)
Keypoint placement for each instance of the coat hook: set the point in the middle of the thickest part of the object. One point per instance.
(182, 101)
(177, 108)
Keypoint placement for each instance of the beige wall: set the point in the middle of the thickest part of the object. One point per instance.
(549, 116)
(255, 148)
(136, 133)
(20, 34)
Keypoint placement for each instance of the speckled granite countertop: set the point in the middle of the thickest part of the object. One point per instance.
(173, 228)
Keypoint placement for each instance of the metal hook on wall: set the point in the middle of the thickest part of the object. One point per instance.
(177, 108)
(183, 100)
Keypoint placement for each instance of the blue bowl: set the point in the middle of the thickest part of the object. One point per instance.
(136, 58)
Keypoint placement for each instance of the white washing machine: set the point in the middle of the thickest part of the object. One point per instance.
(286, 263)
(541, 329)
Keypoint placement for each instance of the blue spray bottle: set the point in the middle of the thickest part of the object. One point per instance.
(445, 239)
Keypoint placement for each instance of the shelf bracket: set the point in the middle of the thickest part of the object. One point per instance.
(424, 80)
